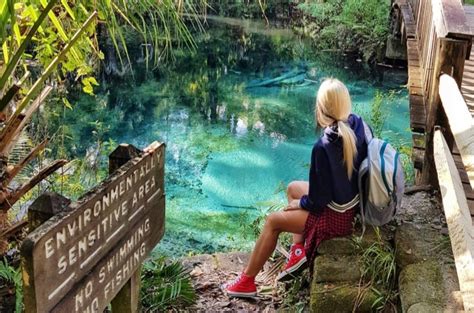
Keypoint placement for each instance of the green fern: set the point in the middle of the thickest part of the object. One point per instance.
(165, 285)
(12, 276)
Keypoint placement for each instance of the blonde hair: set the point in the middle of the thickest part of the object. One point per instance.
(333, 105)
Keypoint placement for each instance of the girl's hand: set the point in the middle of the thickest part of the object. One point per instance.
(293, 205)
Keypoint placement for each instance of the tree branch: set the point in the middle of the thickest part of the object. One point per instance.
(17, 168)
(13, 197)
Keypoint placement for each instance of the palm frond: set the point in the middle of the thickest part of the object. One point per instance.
(160, 23)
(164, 285)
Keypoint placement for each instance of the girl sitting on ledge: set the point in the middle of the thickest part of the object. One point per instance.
(325, 206)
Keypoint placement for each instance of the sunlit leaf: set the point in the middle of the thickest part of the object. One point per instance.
(16, 31)
(6, 58)
(68, 9)
(67, 103)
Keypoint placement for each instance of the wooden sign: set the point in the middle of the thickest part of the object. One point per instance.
(79, 261)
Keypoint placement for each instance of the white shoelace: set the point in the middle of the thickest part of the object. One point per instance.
(234, 282)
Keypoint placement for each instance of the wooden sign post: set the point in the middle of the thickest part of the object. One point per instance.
(80, 260)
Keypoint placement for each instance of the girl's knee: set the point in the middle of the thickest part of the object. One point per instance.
(271, 221)
(292, 187)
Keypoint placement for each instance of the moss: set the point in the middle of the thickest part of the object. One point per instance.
(339, 245)
(421, 282)
(347, 245)
(415, 245)
(340, 298)
(423, 307)
(337, 268)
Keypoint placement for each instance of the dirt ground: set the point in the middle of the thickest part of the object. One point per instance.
(209, 272)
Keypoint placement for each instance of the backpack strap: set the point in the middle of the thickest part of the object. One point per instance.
(361, 203)
(368, 132)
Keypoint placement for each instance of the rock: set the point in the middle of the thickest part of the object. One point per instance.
(339, 245)
(421, 282)
(348, 245)
(424, 307)
(417, 244)
(340, 298)
(420, 207)
(337, 268)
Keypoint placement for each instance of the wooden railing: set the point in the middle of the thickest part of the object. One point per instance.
(458, 216)
(444, 42)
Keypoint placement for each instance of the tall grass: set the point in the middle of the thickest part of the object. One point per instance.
(379, 270)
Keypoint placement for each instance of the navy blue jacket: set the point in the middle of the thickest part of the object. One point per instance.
(329, 185)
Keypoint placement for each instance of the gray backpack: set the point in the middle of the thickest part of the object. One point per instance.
(381, 182)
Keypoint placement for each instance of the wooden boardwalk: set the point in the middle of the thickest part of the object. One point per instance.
(438, 36)
(467, 87)
(467, 90)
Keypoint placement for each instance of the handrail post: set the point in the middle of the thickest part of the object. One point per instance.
(128, 298)
(449, 59)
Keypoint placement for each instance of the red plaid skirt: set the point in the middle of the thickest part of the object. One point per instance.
(324, 226)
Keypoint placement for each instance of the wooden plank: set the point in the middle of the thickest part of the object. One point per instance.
(408, 19)
(450, 20)
(61, 252)
(417, 113)
(460, 122)
(467, 190)
(458, 218)
(469, 11)
(470, 204)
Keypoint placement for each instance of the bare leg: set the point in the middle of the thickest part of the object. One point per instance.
(296, 189)
(277, 222)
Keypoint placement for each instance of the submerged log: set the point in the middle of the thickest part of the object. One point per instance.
(288, 77)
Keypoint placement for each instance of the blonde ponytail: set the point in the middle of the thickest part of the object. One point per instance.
(333, 105)
(348, 146)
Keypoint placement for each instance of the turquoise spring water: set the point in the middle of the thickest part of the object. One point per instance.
(217, 173)
(229, 161)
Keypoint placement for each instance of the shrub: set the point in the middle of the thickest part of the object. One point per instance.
(350, 25)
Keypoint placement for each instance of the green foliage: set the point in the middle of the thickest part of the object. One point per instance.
(12, 276)
(249, 9)
(160, 24)
(165, 285)
(406, 156)
(350, 25)
(296, 294)
(377, 116)
(262, 212)
(379, 269)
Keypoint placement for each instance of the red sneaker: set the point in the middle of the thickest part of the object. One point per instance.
(243, 287)
(296, 263)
